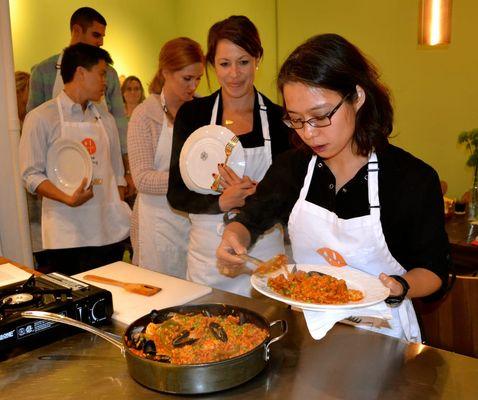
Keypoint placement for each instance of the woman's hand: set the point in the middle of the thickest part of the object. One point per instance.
(422, 282)
(395, 287)
(230, 178)
(235, 189)
(234, 241)
(235, 196)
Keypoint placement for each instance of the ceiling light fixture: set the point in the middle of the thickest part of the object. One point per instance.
(434, 22)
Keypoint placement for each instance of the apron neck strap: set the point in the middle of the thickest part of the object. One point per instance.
(58, 62)
(264, 120)
(214, 110)
(372, 182)
(93, 109)
(372, 179)
(262, 113)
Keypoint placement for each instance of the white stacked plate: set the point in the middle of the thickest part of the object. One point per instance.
(68, 162)
(203, 150)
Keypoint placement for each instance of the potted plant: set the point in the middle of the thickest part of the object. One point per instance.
(470, 140)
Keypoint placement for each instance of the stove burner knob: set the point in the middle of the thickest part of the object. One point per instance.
(98, 311)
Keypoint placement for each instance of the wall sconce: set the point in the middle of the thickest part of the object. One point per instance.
(435, 22)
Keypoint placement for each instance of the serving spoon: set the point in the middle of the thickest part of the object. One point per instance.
(138, 288)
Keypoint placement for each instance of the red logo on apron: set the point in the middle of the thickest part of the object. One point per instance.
(332, 257)
(90, 145)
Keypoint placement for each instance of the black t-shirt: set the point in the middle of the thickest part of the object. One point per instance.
(411, 203)
(196, 113)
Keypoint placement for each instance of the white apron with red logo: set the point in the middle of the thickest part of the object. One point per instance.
(207, 229)
(102, 220)
(163, 231)
(360, 241)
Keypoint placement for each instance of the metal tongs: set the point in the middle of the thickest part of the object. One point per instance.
(275, 263)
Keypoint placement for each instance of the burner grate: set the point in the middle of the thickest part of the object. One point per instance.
(29, 294)
(55, 293)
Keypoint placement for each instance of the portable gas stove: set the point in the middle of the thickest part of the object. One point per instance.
(55, 293)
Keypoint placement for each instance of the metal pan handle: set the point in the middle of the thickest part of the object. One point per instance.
(73, 322)
(284, 329)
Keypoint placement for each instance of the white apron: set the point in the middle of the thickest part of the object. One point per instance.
(360, 241)
(206, 229)
(58, 85)
(102, 220)
(163, 231)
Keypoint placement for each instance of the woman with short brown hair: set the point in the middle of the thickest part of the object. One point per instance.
(234, 52)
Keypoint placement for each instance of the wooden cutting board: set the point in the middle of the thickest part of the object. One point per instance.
(130, 306)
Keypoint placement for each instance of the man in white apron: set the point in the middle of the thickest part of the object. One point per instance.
(87, 26)
(82, 230)
(207, 229)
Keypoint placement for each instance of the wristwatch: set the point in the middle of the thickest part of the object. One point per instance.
(397, 300)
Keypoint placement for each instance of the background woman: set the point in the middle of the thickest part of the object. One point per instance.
(22, 82)
(347, 190)
(234, 51)
(133, 94)
(159, 233)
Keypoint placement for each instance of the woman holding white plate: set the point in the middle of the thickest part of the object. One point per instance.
(234, 51)
(159, 234)
(350, 197)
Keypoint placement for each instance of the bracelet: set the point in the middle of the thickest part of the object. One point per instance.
(228, 216)
(397, 300)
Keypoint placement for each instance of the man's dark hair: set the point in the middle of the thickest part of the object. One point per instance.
(85, 16)
(81, 55)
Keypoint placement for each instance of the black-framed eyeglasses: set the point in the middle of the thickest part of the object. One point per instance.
(316, 122)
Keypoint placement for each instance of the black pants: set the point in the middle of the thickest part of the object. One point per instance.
(79, 259)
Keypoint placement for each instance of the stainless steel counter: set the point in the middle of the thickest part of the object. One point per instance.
(348, 363)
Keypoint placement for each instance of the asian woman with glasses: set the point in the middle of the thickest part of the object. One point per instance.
(349, 196)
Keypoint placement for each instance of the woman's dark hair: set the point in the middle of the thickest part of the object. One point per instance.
(81, 55)
(239, 30)
(331, 62)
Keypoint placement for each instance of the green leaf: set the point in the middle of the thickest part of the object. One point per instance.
(473, 160)
(463, 137)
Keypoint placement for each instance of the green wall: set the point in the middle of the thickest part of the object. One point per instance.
(433, 89)
(135, 31)
(196, 16)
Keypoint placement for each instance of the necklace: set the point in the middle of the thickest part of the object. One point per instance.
(165, 108)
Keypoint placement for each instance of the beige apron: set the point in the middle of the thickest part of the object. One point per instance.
(163, 231)
(206, 229)
(360, 241)
(102, 220)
